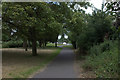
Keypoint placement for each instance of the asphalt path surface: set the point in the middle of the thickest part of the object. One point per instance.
(61, 67)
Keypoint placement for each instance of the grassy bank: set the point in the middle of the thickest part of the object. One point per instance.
(103, 60)
(20, 64)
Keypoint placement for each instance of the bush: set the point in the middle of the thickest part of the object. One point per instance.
(103, 59)
(12, 44)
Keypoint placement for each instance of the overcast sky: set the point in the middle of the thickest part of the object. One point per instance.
(96, 3)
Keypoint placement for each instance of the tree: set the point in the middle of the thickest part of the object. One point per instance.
(76, 26)
(31, 21)
(25, 19)
(87, 30)
(113, 9)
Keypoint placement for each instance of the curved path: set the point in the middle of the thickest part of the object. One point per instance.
(61, 67)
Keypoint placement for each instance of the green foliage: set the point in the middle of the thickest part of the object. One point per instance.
(96, 35)
(32, 21)
(50, 44)
(41, 22)
(97, 26)
(87, 30)
(112, 7)
(76, 26)
(103, 59)
(12, 44)
(25, 17)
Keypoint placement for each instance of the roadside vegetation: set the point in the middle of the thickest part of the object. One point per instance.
(96, 38)
(103, 60)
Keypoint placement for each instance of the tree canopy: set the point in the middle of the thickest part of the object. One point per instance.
(45, 21)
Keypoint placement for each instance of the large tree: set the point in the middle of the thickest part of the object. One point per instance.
(30, 21)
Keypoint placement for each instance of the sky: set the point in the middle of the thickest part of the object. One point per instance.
(96, 3)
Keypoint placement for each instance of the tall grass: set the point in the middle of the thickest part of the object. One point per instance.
(103, 59)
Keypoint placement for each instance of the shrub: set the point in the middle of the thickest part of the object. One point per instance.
(103, 59)
(12, 44)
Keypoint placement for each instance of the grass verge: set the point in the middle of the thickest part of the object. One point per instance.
(20, 64)
(41, 65)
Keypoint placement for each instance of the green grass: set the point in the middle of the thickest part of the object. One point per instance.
(53, 44)
(30, 71)
(68, 46)
(50, 44)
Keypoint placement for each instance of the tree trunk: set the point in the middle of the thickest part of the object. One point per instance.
(25, 45)
(34, 44)
(34, 50)
(45, 44)
(74, 44)
(40, 44)
(55, 44)
(29, 45)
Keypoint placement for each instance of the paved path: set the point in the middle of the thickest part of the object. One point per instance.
(61, 67)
